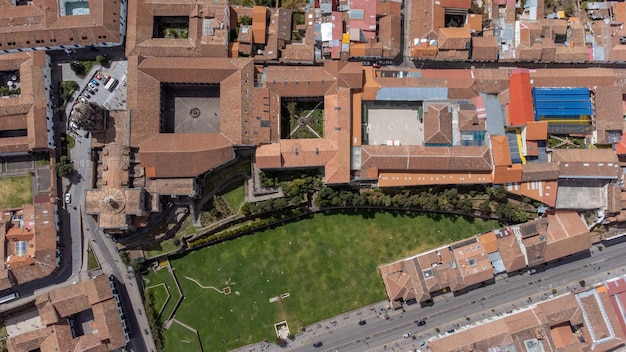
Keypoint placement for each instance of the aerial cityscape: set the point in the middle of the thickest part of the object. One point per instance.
(323, 175)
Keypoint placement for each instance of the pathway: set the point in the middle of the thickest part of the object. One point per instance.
(202, 286)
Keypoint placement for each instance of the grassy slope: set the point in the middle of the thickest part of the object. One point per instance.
(328, 265)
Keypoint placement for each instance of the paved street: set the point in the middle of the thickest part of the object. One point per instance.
(343, 332)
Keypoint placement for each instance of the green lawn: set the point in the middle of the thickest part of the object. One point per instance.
(160, 293)
(179, 338)
(92, 261)
(327, 264)
(164, 276)
(15, 191)
(234, 195)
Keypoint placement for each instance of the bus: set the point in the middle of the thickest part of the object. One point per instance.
(9, 298)
(110, 84)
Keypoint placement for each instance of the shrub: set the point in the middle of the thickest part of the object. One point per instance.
(582, 283)
(103, 60)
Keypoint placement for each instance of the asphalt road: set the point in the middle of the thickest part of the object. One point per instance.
(451, 312)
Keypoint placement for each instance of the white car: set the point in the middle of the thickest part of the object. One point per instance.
(68, 198)
(406, 335)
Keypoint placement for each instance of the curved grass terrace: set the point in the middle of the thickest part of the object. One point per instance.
(328, 265)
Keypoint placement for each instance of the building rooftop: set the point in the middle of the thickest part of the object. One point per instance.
(24, 114)
(44, 24)
(589, 163)
(573, 322)
(181, 28)
(93, 309)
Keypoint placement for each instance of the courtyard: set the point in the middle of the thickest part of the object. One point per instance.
(393, 123)
(190, 108)
(302, 273)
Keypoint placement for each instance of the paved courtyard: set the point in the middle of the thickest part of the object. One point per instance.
(191, 109)
(394, 126)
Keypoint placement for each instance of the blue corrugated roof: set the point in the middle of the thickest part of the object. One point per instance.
(563, 102)
(511, 137)
(412, 93)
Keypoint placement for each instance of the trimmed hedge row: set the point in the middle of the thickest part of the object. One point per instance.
(256, 225)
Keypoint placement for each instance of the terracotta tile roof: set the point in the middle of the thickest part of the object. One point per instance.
(551, 320)
(500, 151)
(333, 150)
(421, 21)
(602, 163)
(184, 155)
(41, 24)
(27, 111)
(543, 191)
(268, 156)
(106, 326)
(608, 108)
(540, 171)
(457, 38)
(589, 77)
(426, 158)
(485, 48)
(469, 121)
(423, 178)
(423, 50)
(179, 186)
(437, 123)
(213, 43)
(510, 251)
(237, 104)
(473, 263)
(403, 281)
(490, 81)
(259, 24)
(567, 234)
(40, 232)
(520, 109)
(536, 130)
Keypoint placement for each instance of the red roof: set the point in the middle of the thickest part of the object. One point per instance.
(521, 105)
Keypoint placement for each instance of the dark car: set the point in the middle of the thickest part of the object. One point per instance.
(318, 344)
(362, 322)
(90, 91)
(421, 323)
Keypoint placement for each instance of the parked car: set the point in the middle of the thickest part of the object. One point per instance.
(406, 335)
(98, 76)
(318, 344)
(92, 87)
(362, 322)
(94, 82)
(86, 95)
(83, 100)
(90, 91)
(421, 323)
(68, 198)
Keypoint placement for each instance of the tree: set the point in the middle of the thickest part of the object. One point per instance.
(245, 20)
(64, 167)
(485, 207)
(78, 68)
